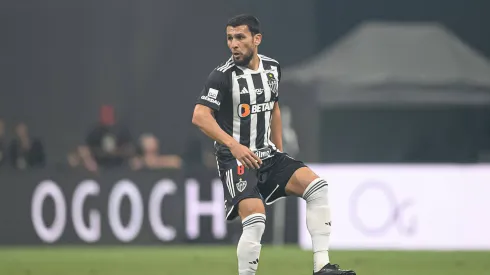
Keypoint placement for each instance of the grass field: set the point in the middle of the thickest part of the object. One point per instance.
(221, 261)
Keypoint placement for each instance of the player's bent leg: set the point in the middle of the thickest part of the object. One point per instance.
(250, 206)
(306, 184)
(252, 214)
(299, 181)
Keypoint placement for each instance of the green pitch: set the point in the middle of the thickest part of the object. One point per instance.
(221, 261)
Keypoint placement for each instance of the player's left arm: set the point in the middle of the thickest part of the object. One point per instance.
(276, 126)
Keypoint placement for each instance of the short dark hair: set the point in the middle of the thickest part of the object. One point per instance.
(250, 21)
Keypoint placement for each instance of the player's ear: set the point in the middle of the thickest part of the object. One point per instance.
(257, 39)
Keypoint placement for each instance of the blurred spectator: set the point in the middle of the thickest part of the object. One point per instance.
(150, 157)
(3, 143)
(110, 142)
(82, 157)
(25, 151)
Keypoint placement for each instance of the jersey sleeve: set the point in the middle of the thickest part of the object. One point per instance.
(214, 90)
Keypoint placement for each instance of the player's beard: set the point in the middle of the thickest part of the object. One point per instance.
(245, 60)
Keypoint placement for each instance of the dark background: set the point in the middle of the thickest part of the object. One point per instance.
(61, 60)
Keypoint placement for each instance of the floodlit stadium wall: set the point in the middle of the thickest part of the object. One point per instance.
(436, 207)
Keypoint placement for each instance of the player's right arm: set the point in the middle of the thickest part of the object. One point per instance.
(203, 118)
(209, 101)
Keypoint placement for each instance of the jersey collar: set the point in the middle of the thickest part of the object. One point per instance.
(248, 70)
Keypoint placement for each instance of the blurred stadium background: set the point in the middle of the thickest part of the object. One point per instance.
(101, 171)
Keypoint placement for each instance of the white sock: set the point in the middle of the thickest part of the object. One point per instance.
(318, 221)
(248, 249)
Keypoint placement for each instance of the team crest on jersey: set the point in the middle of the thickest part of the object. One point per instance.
(272, 81)
(241, 185)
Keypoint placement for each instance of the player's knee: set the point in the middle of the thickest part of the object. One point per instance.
(316, 191)
(300, 180)
(250, 206)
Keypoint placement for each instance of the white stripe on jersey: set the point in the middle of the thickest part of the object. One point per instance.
(236, 102)
(268, 95)
(266, 58)
(276, 75)
(253, 117)
(224, 69)
(226, 66)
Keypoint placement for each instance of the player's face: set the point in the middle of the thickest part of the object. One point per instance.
(242, 44)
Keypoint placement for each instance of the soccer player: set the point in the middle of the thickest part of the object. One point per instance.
(238, 108)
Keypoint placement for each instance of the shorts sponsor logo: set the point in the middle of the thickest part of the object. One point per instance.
(263, 153)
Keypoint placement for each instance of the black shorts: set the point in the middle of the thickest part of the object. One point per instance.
(267, 183)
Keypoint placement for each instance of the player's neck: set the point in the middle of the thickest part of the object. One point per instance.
(254, 64)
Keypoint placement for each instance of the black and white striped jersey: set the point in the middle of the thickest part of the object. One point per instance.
(243, 100)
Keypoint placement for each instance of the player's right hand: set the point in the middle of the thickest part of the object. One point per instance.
(245, 156)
